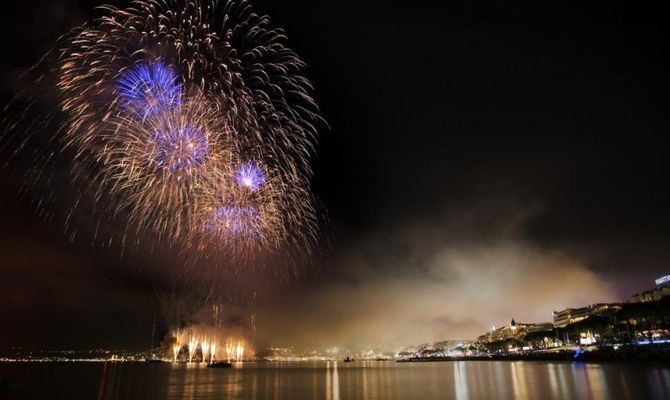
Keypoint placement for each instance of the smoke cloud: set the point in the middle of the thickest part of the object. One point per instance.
(425, 285)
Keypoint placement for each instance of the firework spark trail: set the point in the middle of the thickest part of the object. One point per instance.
(192, 120)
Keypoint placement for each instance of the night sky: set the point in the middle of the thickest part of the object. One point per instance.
(485, 160)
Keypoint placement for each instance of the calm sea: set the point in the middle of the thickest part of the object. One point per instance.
(336, 381)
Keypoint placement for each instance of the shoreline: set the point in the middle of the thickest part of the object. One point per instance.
(624, 353)
(628, 353)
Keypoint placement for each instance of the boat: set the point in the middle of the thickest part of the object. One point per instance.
(220, 364)
(347, 359)
(153, 359)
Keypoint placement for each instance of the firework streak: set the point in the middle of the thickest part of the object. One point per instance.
(193, 121)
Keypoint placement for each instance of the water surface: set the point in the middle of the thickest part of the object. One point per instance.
(336, 381)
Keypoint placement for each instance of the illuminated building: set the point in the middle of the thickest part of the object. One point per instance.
(516, 331)
(662, 290)
(588, 338)
(571, 315)
(650, 295)
(663, 281)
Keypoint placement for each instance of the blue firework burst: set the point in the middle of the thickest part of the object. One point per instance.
(149, 88)
(251, 176)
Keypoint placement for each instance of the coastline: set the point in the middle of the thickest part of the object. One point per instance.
(624, 353)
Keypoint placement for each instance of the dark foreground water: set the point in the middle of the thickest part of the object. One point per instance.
(336, 381)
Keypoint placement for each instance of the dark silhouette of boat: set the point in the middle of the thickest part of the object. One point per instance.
(220, 364)
(347, 359)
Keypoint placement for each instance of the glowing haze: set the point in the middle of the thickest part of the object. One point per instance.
(431, 283)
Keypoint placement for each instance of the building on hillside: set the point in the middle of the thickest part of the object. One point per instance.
(650, 295)
(571, 315)
(663, 281)
(662, 289)
(516, 331)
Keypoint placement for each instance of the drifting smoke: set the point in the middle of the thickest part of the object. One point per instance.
(441, 280)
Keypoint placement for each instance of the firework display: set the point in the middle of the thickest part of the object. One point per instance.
(196, 345)
(191, 120)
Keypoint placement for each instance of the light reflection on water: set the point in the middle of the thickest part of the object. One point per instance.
(340, 381)
(387, 380)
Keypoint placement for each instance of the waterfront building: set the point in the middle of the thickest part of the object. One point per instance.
(588, 338)
(452, 347)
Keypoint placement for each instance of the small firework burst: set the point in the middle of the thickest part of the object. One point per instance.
(180, 148)
(250, 176)
(233, 221)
